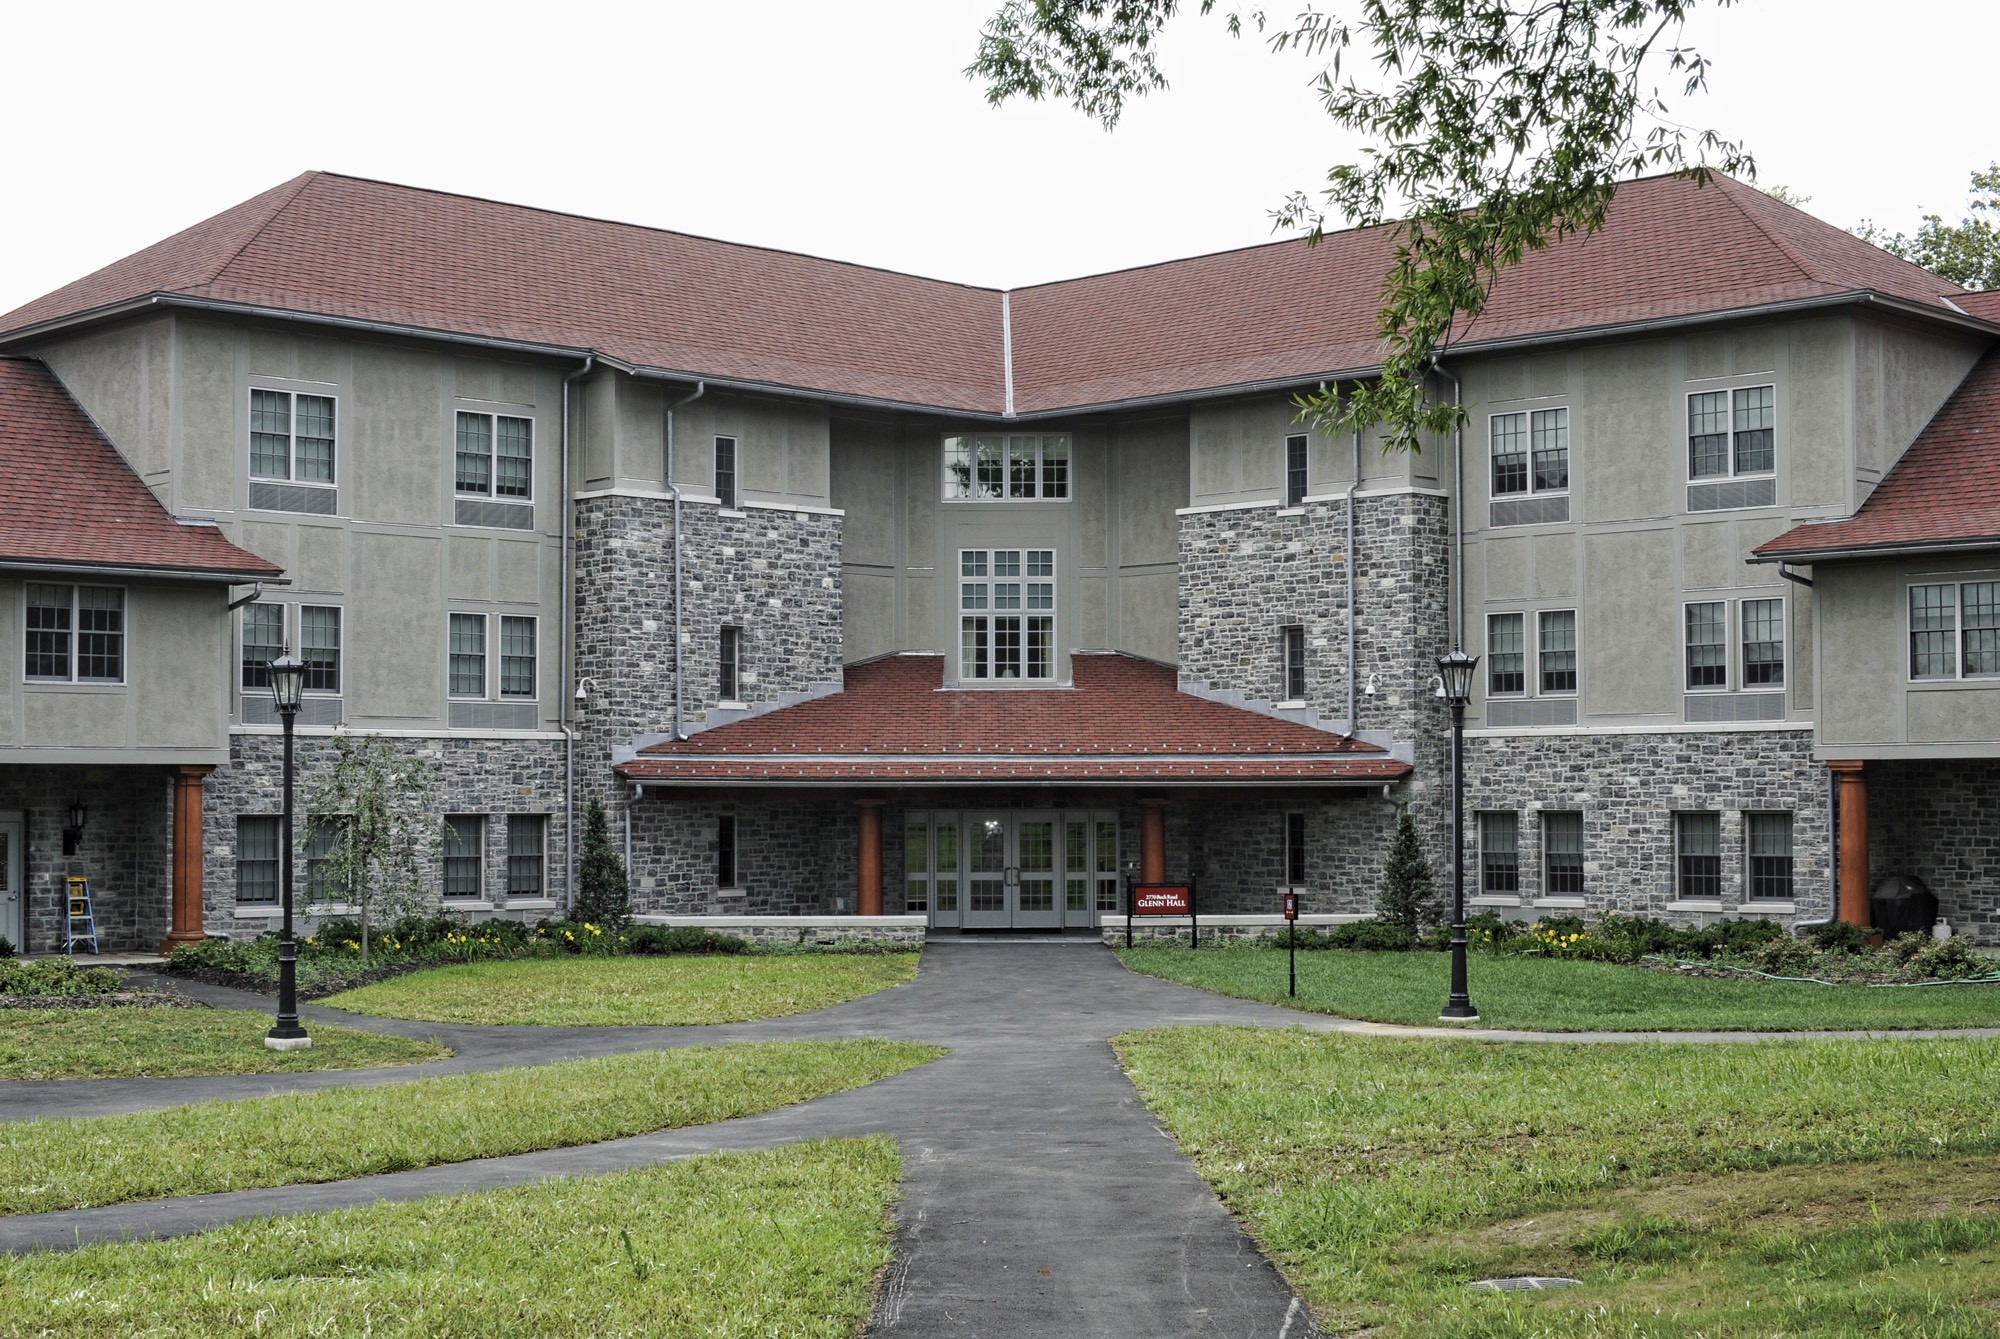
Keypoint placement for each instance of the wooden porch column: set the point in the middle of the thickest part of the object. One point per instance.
(1152, 841)
(1852, 812)
(868, 893)
(187, 857)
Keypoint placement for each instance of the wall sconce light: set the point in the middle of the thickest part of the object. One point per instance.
(73, 834)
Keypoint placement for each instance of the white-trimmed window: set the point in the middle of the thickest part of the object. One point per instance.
(1955, 630)
(1506, 655)
(729, 659)
(725, 472)
(526, 865)
(1555, 654)
(1296, 455)
(319, 647)
(1530, 452)
(291, 436)
(496, 456)
(264, 640)
(1770, 840)
(1732, 433)
(256, 858)
(1292, 647)
(467, 659)
(324, 834)
(1698, 856)
(1500, 854)
(1295, 849)
(1758, 661)
(74, 634)
(995, 467)
(1562, 853)
(1007, 614)
(464, 855)
(1554, 673)
(1707, 642)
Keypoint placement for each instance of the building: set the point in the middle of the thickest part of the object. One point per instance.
(850, 591)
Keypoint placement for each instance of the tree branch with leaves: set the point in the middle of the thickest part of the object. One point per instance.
(1493, 128)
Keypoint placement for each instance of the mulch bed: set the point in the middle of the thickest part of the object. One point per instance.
(118, 999)
(314, 990)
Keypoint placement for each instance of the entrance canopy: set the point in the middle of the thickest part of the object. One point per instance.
(1125, 722)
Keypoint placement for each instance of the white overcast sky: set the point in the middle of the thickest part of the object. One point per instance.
(842, 129)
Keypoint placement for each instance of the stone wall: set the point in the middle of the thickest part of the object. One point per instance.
(126, 852)
(795, 855)
(1628, 788)
(1941, 822)
(491, 777)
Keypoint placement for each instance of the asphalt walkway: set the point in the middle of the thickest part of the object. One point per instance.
(1039, 1195)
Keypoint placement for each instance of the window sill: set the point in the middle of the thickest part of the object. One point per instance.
(1289, 704)
(248, 910)
(1694, 905)
(532, 904)
(1492, 900)
(1771, 908)
(733, 513)
(1562, 903)
(465, 904)
(732, 704)
(732, 892)
(1293, 510)
(74, 685)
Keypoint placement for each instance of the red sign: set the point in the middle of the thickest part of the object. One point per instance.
(1161, 899)
(1291, 906)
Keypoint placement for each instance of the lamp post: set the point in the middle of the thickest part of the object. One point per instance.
(288, 681)
(1455, 675)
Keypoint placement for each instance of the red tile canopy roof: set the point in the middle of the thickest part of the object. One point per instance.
(1283, 313)
(68, 499)
(1944, 493)
(1125, 722)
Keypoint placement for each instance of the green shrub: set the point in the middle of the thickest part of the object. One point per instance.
(6, 947)
(56, 976)
(577, 936)
(1839, 937)
(336, 931)
(1784, 956)
(662, 939)
(1408, 899)
(603, 894)
(1948, 960)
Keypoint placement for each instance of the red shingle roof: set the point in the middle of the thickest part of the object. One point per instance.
(363, 250)
(1945, 491)
(1124, 722)
(68, 499)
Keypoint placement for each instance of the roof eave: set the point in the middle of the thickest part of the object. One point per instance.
(1855, 552)
(226, 576)
(1012, 782)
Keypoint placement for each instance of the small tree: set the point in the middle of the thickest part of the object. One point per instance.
(371, 815)
(603, 897)
(1408, 897)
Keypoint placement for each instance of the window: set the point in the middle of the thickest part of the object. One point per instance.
(1698, 852)
(1295, 470)
(1770, 856)
(517, 656)
(1562, 853)
(731, 659)
(1295, 849)
(725, 851)
(75, 634)
(1016, 466)
(496, 456)
(1731, 433)
(291, 437)
(1763, 643)
(319, 647)
(1707, 646)
(1506, 654)
(725, 471)
(324, 833)
(1954, 630)
(1007, 623)
(1500, 854)
(468, 655)
(1293, 640)
(464, 855)
(256, 859)
(917, 864)
(263, 642)
(1557, 659)
(1530, 452)
(524, 855)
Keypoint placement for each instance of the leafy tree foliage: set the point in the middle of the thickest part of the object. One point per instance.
(1966, 252)
(377, 809)
(1408, 897)
(603, 896)
(1494, 128)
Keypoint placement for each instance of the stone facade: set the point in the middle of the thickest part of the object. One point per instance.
(494, 778)
(1629, 787)
(1936, 820)
(126, 851)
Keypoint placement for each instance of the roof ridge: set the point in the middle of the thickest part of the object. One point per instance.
(298, 184)
(1768, 235)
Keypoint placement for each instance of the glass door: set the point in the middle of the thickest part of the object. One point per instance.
(1035, 872)
(987, 885)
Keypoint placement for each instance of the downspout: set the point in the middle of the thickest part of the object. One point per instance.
(1353, 666)
(568, 637)
(700, 389)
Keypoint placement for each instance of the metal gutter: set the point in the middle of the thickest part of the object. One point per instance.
(568, 640)
(1917, 550)
(1043, 783)
(216, 575)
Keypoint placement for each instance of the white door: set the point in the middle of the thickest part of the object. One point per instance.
(11, 830)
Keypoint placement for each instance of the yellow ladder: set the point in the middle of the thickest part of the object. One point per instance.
(82, 920)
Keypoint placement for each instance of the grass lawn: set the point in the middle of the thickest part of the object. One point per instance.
(786, 1242)
(124, 1043)
(1801, 1188)
(625, 991)
(345, 1132)
(1513, 991)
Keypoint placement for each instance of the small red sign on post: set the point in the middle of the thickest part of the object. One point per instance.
(1291, 906)
(1161, 899)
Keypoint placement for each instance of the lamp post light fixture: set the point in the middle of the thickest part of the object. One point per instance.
(288, 681)
(73, 834)
(1455, 678)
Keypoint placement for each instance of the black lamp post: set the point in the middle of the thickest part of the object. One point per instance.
(288, 681)
(1455, 674)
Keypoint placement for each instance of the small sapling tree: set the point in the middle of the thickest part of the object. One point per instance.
(1408, 898)
(603, 896)
(371, 816)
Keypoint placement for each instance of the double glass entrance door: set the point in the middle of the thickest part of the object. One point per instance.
(1039, 869)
